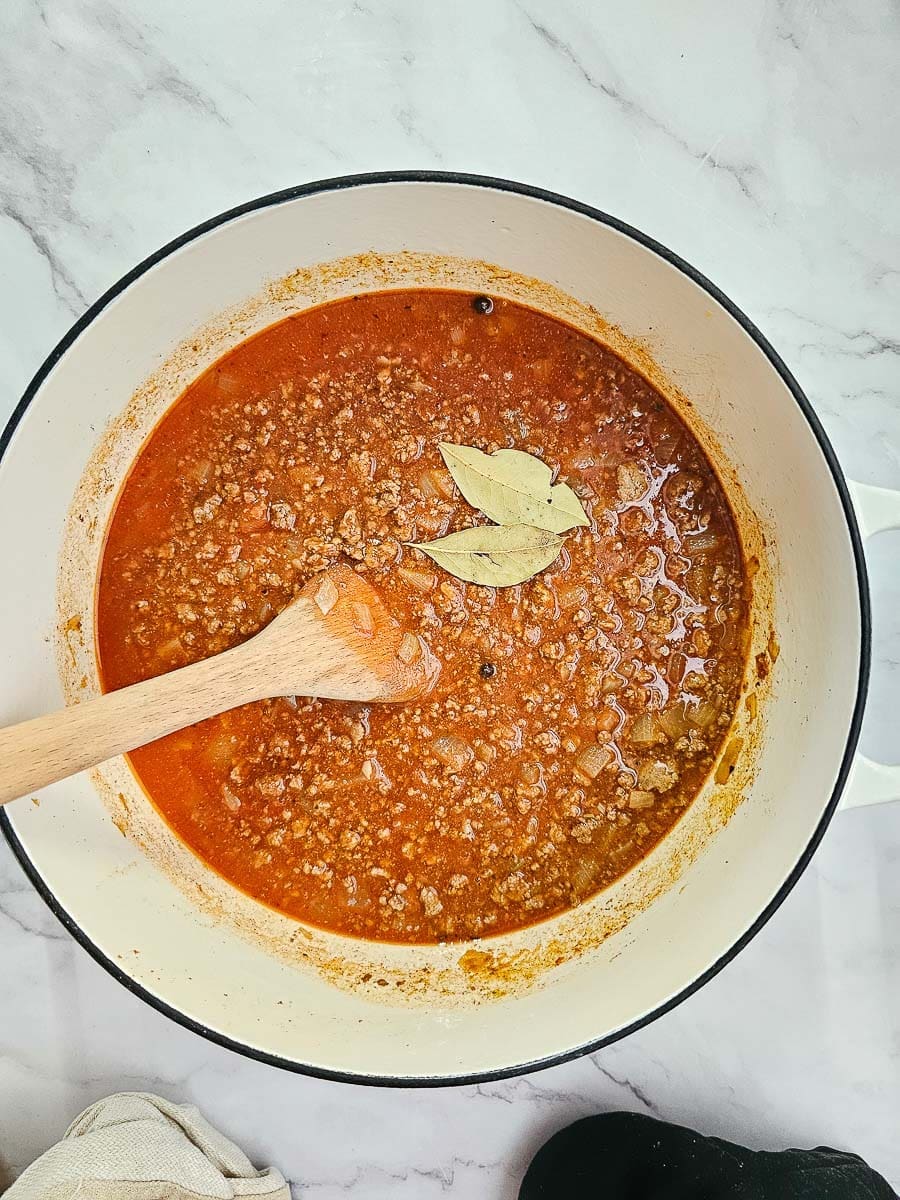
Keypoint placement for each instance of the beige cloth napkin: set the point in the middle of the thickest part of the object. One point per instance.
(134, 1146)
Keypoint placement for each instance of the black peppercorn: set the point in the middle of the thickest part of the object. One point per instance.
(486, 670)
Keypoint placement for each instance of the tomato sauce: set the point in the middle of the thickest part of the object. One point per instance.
(576, 715)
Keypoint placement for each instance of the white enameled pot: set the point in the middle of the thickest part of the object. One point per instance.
(197, 949)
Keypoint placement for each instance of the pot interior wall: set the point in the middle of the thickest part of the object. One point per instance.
(190, 957)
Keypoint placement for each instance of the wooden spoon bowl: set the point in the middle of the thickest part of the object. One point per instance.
(335, 640)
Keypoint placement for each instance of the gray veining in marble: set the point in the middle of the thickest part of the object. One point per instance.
(759, 141)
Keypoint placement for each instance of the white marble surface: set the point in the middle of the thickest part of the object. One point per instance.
(759, 140)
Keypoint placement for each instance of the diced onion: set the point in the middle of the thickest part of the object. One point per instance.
(229, 383)
(699, 579)
(703, 714)
(639, 799)
(172, 649)
(232, 802)
(607, 720)
(453, 752)
(591, 761)
(220, 750)
(199, 471)
(435, 484)
(422, 581)
(263, 610)
(431, 901)
(426, 486)
(584, 876)
(621, 850)
(674, 721)
(326, 595)
(644, 731)
(410, 649)
(699, 544)
(362, 618)
(443, 481)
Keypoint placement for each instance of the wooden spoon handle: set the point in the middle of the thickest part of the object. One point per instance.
(36, 753)
(347, 648)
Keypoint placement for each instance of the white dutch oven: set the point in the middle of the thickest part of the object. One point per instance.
(185, 941)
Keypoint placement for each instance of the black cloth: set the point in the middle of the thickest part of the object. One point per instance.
(626, 1156)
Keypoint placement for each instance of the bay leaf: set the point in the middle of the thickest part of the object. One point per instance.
(494, 555)
(513, 488)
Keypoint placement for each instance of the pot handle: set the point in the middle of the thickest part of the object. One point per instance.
(870, 782)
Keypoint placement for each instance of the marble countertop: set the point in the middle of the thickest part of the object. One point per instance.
(758, 141)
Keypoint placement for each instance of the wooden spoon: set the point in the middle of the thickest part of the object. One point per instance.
(336, 640)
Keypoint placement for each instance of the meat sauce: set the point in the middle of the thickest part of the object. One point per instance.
(576, 715)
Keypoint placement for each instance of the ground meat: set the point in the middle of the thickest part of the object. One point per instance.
(657, 776)
(576, 715)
